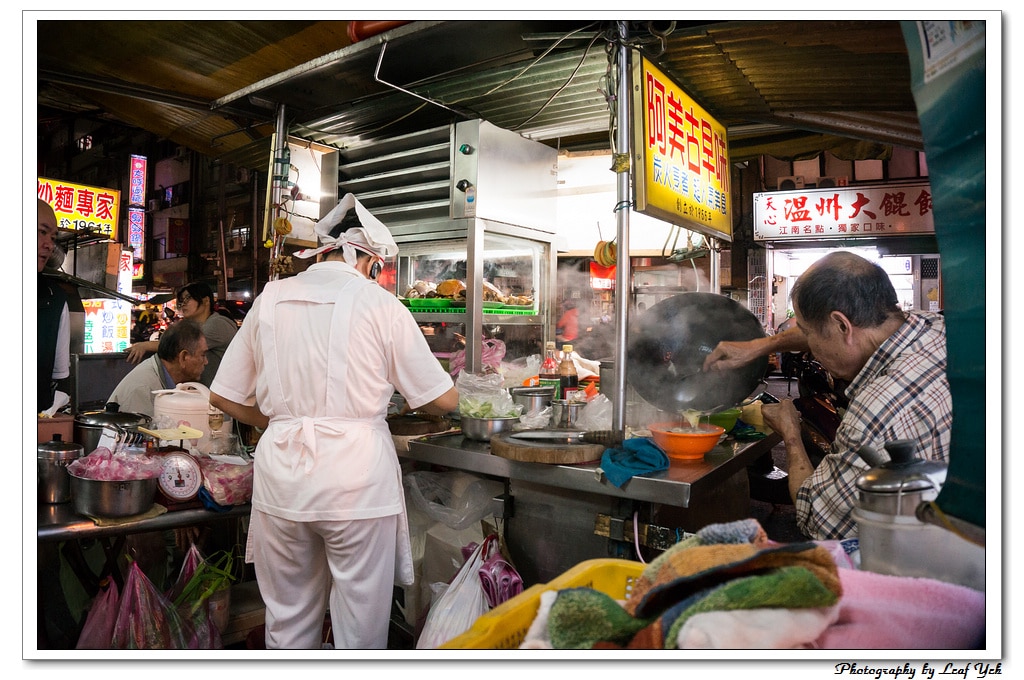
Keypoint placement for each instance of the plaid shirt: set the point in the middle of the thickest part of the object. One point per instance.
(901, 393)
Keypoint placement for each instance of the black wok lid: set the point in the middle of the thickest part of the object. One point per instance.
(664, 357)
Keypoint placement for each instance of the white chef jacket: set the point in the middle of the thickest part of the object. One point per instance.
(323, 352)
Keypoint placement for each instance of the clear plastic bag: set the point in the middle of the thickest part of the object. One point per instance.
(456, 499)
(194, 604)
(228, 484)
(483, 395)
(596, 415)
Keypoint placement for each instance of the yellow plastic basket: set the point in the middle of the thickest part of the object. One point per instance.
(505, 626)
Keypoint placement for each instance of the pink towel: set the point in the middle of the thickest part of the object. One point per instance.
(878, 611)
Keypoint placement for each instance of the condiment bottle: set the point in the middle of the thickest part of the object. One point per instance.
(569, 380)
(549, 375)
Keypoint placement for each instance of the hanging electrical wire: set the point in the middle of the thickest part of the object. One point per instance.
(536, 61)
(564, 85)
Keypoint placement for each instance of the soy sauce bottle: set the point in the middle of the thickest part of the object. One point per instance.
(569, 380)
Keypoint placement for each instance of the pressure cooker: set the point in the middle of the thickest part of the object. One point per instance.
(89, 424)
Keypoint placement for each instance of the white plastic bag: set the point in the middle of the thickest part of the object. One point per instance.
(596, 415)
(461, 604)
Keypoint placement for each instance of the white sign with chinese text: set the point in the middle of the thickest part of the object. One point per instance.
(844, 212)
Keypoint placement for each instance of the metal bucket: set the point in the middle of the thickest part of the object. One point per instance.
(53, 459)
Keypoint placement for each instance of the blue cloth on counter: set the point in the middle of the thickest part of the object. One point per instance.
(636, 456)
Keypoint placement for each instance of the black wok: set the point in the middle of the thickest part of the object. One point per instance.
(665, 355)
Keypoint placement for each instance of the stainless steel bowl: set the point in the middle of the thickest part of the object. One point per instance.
(112, 498)
(482, 429)
(532, 398)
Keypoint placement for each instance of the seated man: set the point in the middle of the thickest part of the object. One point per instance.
(180, 357)
(847, 315)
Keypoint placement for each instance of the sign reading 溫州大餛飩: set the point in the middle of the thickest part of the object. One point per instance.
(844, 212)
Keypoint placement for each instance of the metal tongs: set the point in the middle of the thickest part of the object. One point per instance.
(124, 437)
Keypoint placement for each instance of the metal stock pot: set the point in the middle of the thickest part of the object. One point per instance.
(89, 425)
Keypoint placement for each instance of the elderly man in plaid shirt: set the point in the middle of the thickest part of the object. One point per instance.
(847, 315)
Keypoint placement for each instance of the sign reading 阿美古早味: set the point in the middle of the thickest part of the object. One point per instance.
(844, 212)
(681, 156)
(81, 208)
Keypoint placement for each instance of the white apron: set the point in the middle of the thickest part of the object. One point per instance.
(294, 439)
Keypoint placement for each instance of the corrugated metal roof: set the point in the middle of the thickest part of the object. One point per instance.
(782, 87)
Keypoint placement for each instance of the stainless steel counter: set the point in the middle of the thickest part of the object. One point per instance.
(60, 522)
(675, 486)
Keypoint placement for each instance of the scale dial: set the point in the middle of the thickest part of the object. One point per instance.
(181, 477)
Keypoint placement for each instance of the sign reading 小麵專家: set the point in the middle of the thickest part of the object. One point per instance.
(844, 212)
(81, 208)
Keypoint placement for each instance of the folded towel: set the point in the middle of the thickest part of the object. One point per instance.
(756, 628)
(636, 456)
(537, 636)
(679, 572)
(786, 587)
(582, 617)
(879, 611)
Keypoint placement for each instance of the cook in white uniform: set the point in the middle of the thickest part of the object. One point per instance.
(321, 354)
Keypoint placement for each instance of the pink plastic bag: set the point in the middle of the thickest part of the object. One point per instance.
(146, 619)
(499, 579)
(99, 624)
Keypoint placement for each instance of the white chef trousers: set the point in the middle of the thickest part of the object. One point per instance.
(299, 563)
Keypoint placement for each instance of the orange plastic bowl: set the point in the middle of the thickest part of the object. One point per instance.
(686, 445)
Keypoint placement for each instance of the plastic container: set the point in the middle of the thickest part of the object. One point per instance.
(505, 626)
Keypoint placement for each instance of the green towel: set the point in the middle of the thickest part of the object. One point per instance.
(784, 588)
(677, 575)
(580, 618)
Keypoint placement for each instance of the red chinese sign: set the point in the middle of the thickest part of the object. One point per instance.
(81, 208)
(682, 162)
(844, 212)
(137, 180)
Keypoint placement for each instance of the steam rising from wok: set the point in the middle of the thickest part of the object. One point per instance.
(665, 356)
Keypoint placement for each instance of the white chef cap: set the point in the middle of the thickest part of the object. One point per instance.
(372, 236)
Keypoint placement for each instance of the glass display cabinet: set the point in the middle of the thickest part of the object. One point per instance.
(472, 208)
(498, 286)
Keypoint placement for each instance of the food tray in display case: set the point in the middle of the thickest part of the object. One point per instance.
(428, 304)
